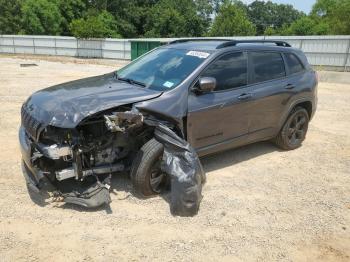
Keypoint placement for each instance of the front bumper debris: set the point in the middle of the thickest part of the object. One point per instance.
(79, 180)
(91, 194)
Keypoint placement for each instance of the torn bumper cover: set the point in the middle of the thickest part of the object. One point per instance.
(34, 177)
(181, 162)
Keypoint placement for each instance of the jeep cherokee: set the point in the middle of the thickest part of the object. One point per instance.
(216, 94)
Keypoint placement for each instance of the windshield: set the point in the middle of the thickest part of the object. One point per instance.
(162, 69)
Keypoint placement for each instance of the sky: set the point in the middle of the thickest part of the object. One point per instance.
(302, 5)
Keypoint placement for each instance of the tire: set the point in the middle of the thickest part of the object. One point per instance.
(146, 168)
(294, 130)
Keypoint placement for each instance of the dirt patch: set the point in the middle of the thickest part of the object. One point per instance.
(259, 203)
(67, 59)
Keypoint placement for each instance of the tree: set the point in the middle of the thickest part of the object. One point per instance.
(305, 26)
(176, 18)
(232, 20)
(270, 15)
(41, 17)
(335, 13)
(132, 16)
(205, 9)
(323, 8)
(340, 18)
(270, 31)
(95, 25)
(99, 5)
(168, 24)
(10, 16)
(70, 10)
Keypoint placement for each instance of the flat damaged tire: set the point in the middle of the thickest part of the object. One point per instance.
(294, 130)
(146, 176)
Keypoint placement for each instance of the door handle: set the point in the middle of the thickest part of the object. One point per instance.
(241, 97)
(244, 96)
(289, 86)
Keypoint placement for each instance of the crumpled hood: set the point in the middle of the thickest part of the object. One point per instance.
(66, 105)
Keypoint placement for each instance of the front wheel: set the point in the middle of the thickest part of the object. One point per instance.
(294, 131)
(146, 175)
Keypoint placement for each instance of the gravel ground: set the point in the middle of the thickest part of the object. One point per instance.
(260, 204)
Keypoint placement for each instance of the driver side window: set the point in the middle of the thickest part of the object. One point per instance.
(230, 71)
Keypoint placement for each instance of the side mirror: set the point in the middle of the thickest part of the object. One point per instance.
(206, 84)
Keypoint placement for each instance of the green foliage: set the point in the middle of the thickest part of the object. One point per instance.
(322, 8)
(340, 18)
(132, 16)
(169, 23)
(270, 15)
(306, 26)
(95, 25)
(99, 5)
(335, 13)
(270, 31)
(232, 20)
(205, 9)
(175, 18)
(41, 17)
(170, 18)
(10, 16)
(70, 10)
(327, 17)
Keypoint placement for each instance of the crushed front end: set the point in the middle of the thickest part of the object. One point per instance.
(79, 161)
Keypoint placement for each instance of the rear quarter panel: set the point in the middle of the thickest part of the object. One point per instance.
(305, 91)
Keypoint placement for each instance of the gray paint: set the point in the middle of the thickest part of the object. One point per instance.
(66, 105)
(211, 122)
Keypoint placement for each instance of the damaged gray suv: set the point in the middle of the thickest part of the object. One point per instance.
(215, 94)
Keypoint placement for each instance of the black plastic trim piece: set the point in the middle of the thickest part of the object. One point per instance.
(178, 41)
(236, 42)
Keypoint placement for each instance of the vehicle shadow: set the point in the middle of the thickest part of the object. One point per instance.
(237, 155)
(232, 157)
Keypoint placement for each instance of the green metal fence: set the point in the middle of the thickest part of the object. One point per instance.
(139, 48)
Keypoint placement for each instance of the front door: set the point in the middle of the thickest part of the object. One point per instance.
(220, 116)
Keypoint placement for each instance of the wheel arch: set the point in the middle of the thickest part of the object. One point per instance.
(307, 105)
(304, 103)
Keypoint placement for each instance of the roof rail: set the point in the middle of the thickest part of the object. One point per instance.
(196, 39)
(235, 42)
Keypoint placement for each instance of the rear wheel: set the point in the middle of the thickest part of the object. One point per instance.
(146, 175)
(294, 131)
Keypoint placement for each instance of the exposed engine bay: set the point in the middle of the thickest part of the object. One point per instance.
(87, 155)
(80, 161)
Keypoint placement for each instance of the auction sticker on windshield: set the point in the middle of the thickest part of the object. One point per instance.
(198, 54)
(168, 84)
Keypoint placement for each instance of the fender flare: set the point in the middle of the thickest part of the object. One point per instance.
(290, 108)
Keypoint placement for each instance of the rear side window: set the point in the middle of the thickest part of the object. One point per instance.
(293, 63)
(267, 66)
(230, 71)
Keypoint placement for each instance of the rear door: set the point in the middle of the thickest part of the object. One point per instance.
(296, 73)
(220, 116)
(270, 88)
